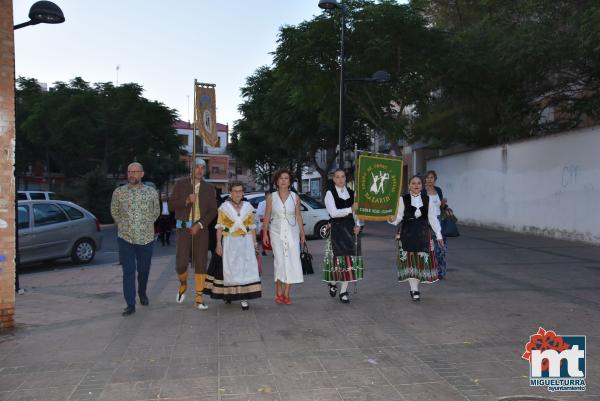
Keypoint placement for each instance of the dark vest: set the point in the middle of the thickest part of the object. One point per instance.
(409, 210)
(342, 203)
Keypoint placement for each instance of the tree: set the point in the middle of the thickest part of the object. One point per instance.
(302, 86)
(510, 64)
(28, 93)
(83, 127)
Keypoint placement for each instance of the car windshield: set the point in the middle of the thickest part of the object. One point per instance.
(312, 202)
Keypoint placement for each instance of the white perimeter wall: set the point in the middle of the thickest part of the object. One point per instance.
(548, 186)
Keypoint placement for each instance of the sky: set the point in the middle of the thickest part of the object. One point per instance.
(162, 45)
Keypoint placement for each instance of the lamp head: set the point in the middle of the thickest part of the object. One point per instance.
(329, 4)
(46, 12)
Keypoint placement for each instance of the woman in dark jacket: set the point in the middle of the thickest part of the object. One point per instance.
(436, 197)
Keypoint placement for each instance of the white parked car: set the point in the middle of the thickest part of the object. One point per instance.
(36, 195)
(314, 213)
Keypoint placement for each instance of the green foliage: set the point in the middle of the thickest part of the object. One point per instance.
(94, 191)
(478, 72)
(83, 128)
(510, 62)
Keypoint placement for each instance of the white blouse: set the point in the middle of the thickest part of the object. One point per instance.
(417, 202)
(435, 199)
(333, 211)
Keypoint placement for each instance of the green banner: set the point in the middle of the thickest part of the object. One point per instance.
(379, 183)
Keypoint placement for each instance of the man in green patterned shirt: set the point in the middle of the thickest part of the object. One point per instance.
(135, 208)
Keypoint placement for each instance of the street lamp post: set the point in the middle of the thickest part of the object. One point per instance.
(41, 12)
(330, 5)
(379, 76)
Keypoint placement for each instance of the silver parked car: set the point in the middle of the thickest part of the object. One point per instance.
(52, 229)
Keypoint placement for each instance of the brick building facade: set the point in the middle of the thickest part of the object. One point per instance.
(7, 157)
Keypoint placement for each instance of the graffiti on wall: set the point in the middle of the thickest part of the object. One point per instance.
(569, 175)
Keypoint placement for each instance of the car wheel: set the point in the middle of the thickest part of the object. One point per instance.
(83, 251)
(322, 230)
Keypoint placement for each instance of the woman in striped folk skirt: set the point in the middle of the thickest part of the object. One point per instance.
(342, 263)
(416, 253)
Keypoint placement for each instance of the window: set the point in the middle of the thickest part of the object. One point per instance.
(215, 170)
(315, 187)
(47, 213)
(23, 217)
(184, 140)
(305, 186)
(21, 196)
(312, 202)
(52, 196)
(73, 213)
(37, 196)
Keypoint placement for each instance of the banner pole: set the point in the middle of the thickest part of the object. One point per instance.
(193, 166)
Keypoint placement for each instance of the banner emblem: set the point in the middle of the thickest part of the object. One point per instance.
(205, 112)
(378, 186)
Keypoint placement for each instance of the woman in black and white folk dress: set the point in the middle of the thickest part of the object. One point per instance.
(416, 255)
(342, 260)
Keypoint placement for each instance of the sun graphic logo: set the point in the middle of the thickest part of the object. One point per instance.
(556, 362)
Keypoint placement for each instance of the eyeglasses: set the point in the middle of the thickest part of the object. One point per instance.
(134, 171)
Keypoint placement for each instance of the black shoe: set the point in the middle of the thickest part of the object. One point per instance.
(415, 295)
(228, 301)
(332, 290)
(344, 297)
(144, 300)
(130, 310)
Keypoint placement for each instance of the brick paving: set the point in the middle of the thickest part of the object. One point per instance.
(463, 341)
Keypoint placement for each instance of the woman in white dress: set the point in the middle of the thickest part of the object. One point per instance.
(283, 222)
(236, 278)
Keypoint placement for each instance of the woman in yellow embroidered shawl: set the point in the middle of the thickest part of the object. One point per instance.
(236, 278)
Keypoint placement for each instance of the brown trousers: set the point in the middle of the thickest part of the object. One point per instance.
(184, 251)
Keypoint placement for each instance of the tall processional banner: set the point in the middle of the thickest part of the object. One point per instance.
(379, 181)
(206, 113)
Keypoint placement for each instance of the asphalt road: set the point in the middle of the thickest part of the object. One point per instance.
(109, 254)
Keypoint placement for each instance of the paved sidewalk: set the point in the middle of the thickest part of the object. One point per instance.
(463, 341)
